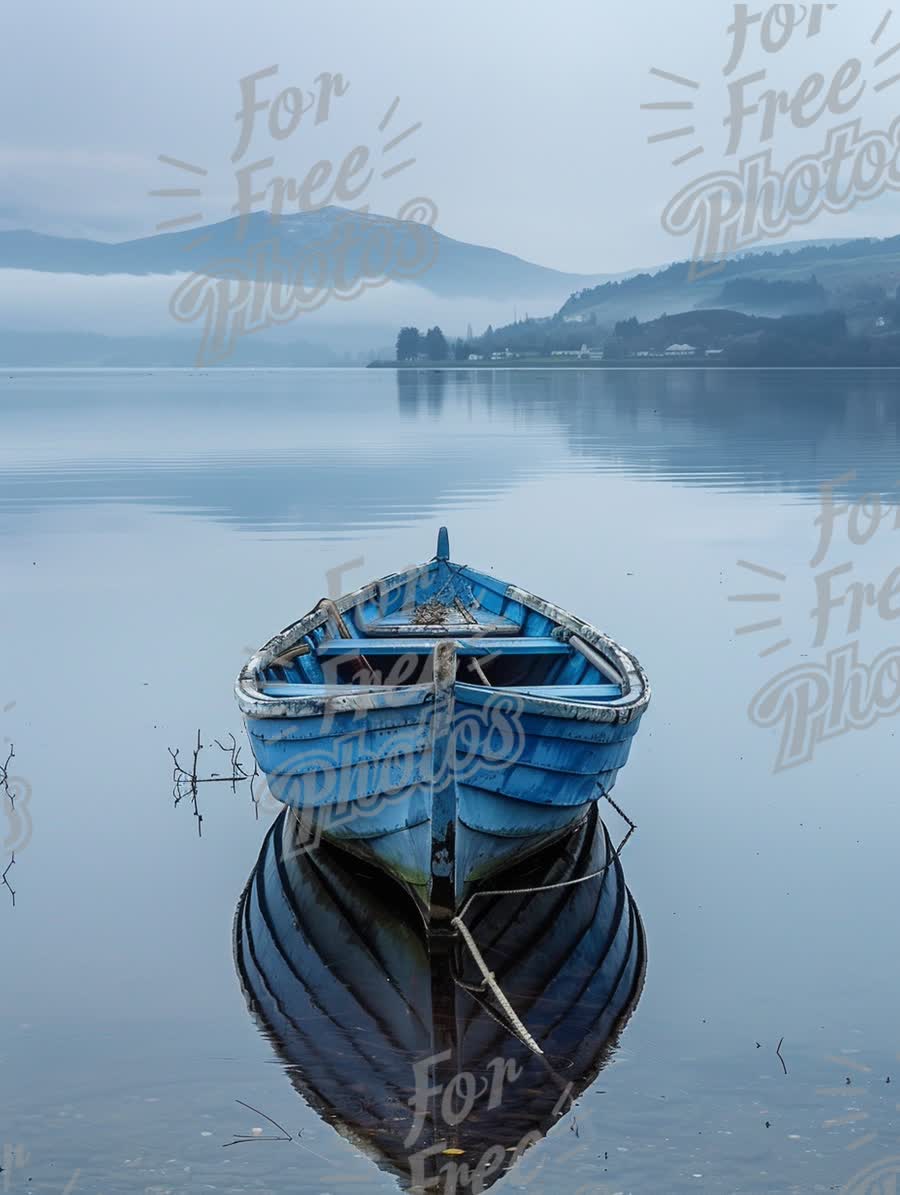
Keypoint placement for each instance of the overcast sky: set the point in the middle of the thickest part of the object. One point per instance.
(532, 135)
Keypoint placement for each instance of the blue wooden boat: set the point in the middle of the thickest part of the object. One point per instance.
(375, 1020)
(441, 723)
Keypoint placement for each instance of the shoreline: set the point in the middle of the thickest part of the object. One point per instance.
(541, 364)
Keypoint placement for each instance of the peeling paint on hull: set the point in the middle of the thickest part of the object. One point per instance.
(435, 750)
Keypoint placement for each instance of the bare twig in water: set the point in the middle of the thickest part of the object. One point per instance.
(778, 1052)
(5, 881)
(186, 781)
(238, 771)
(197, 751)
(11, 796)
(4, 775)
(179, 775)
(243, 1138)
(253, 777)
(240, 1138)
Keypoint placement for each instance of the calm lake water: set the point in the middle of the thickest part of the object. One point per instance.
(156, 526)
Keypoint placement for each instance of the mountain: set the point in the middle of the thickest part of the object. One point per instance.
(81, 301)
(837, 274)
(329, 245)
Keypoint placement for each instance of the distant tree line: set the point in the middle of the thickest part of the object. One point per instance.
(865, 336)
(774, 294)
(529, 337)
(413, 345)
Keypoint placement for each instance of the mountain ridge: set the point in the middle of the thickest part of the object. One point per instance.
(459, 268)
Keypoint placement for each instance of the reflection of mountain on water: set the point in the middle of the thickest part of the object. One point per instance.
(771, 430)
(326, 452)
(322, 452)
(397, 1044)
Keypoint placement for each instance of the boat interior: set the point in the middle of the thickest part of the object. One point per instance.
(385, 635)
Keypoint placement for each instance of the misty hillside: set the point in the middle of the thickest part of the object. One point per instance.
(331, 243)
(839, 275)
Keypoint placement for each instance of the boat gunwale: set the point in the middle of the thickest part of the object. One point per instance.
(255, 704)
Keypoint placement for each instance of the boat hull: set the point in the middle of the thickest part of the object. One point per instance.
(518, 780)
(441, 723)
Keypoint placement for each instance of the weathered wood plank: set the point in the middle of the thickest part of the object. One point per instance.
(568, 692)
(481, 646)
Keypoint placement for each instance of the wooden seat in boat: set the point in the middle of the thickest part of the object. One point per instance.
(482, 645)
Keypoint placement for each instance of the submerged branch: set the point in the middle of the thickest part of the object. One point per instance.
(4, 775)
(5, 881)
(186, 781)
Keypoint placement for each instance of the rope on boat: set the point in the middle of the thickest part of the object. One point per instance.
(621, 812)
(489, 979)
(488, 976)
(529, 891)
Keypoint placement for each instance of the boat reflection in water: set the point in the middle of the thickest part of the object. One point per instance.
(394, 1040)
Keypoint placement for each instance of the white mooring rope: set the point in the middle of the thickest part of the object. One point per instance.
(488, 976)
(541, 888)
(489, 979)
